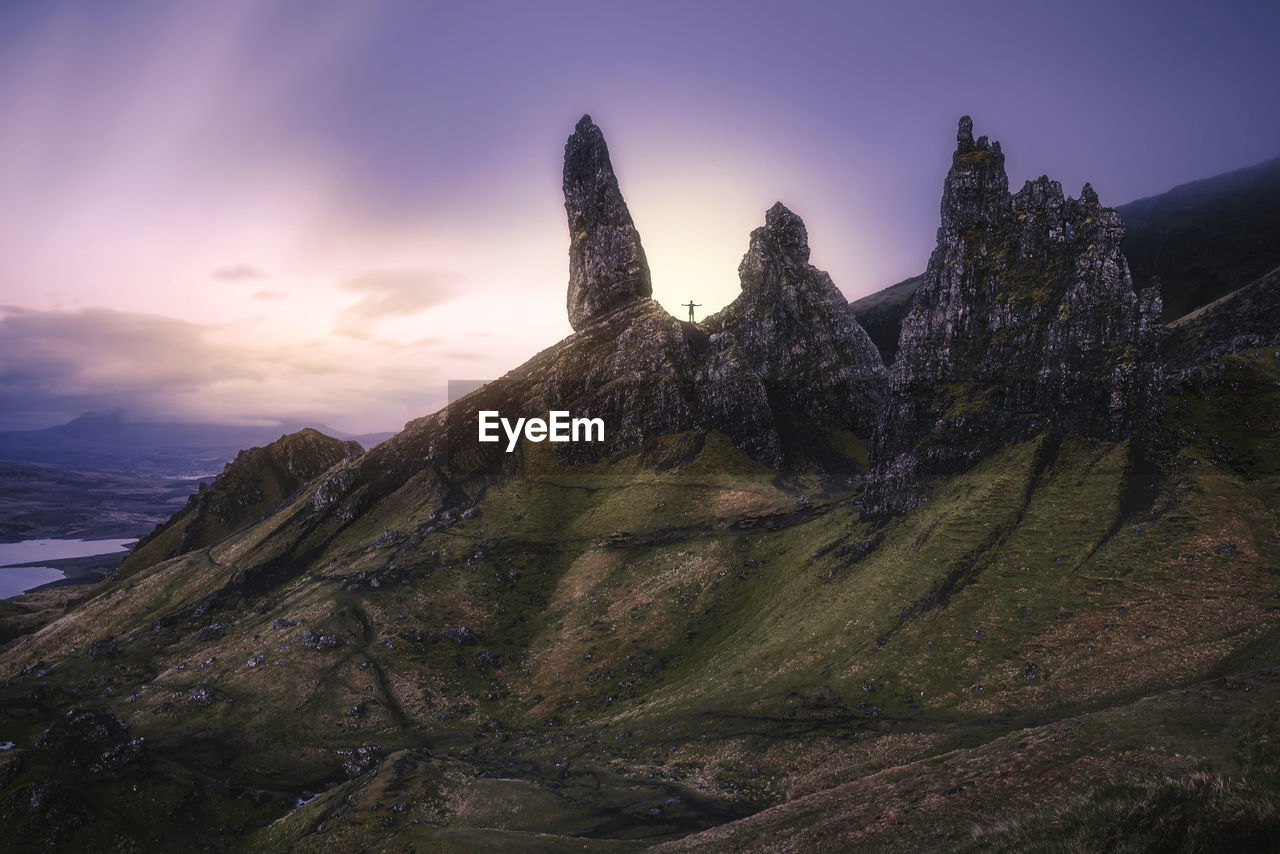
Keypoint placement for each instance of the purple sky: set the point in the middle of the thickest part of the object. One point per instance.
(247, 211)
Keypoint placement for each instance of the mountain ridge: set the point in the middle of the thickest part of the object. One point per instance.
(701, 634)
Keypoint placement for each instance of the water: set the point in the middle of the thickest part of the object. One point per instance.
(15, 579)
(33, 550)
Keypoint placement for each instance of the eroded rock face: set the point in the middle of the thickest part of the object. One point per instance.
(607, 267)
(1026, 320)
(793, 329)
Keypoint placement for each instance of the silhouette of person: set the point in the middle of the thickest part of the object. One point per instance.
(691, 305)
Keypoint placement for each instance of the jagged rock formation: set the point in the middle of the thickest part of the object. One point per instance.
(794, 330)
(776, 371)
(1199, 241)
(607, 267)
(252, 484)
(1026, 320)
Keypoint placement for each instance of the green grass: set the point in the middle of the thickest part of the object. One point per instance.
(707, 631)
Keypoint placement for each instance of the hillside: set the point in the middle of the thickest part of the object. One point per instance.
(1019, 592)
(1206, 238)
(881, 314)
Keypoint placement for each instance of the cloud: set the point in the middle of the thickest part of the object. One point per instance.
(99, 359)
(238, 273)
(56, 365)
(268, 296)
(395, 293)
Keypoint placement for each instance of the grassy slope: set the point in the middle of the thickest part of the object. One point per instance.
(680, 649)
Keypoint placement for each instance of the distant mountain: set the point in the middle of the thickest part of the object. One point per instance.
(881, 314)
(109, 442)
(1204, 240)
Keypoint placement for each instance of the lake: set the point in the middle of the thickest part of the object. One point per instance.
(15, 579)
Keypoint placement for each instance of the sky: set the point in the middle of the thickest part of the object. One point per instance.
(252, 212)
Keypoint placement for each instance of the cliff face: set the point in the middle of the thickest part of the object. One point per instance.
(607, 267)
(1026, 320)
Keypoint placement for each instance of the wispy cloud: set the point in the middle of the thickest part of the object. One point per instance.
(395, 293)
(100, 359)
(238, 273)
(55, 365)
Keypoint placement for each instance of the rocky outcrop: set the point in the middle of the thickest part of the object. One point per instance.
(607, 267)
(1197, 242)
(792, 328)
(1026, 320)
(784, 371)
(256, 481)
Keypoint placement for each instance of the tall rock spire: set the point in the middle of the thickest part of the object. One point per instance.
(793, 328)
(607, 266)
(1025, 321)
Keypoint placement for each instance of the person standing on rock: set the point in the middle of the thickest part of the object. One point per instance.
(691, 305)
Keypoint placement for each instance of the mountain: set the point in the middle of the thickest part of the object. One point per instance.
(112, 443)
(881, 314)
(741, 621)
(1206, 238)
(250, 486)
(1201, 240)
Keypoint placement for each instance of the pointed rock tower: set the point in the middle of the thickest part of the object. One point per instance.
(793, 328)
(1026, 320)
(607, 267)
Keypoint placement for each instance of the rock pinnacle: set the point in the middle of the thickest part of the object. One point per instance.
(607, 266)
